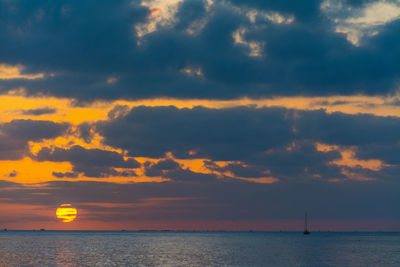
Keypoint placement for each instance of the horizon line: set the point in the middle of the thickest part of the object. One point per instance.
(233, 231)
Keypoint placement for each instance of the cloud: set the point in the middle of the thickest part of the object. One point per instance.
(157, 169)
(365, 20)
(186, 175)
(12, 174)
(300, 161)
(65, 174)
(15, 135)
(32, 130)
(239, 48)
(168, 168)
(85, 132)
(303, 10)
(39, 111)
(226, 134)
(348, 130)
(389, 153)
(215, 162)
(255, 142)
(91, 162)
(162, 15)
(8, 72)
(238, 169)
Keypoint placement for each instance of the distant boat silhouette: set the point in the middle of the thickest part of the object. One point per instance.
(306, 232)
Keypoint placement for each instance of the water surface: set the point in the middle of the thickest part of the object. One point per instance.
(81, 248)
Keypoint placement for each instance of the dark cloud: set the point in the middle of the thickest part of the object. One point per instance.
(15, 135)
(118, 111)
(239, 170)
(69, 35)
(186, 175)
(389, 153)
(39, 111)
(171, 169)
(301, 162)
(85, 132)
(32, 130)
(223, 134)
(84, 44)
(348, 130)
(90, 162)
(190, 11)
(157, 169)
(12, 174)
(277, 142)
(309, 10)
(65, 174)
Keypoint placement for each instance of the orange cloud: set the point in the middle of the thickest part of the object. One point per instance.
(8, 72)
(349, 159)
(66, 110)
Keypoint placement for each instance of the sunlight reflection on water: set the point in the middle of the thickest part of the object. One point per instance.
(53, 248)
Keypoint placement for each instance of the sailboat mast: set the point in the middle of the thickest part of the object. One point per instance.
(305, 222)
(306, 232)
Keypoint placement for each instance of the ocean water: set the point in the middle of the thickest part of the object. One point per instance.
(80, 248)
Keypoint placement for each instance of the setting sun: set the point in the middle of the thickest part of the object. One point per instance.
(66, 213)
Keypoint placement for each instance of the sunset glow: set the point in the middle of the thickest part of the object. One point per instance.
(191, 113)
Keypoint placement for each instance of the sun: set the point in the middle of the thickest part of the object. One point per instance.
(66, 213)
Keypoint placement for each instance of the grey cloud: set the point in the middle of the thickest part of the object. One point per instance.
(348, 130)
(306, 57)
(69, 34)
(39, 111)
(189, 12)
(85, 132)
(301, 163)
(279, 142)
(168, 168)
(221, 134)
(90, 162)
(305, 10)
(156, 169)
(15, 135)
(118, 111)
(390, 153)
(12, 174)
(186, 175)
(239, 170)
(32, 130)
(65, 174)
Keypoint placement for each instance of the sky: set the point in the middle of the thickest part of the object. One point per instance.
(200, 114)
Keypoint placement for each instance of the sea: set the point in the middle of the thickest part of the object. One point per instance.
(170, 248)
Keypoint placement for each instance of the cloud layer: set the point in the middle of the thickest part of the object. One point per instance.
(200, 110)
(200, 49)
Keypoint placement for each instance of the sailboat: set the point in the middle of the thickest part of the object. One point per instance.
(306, 232)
